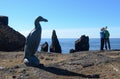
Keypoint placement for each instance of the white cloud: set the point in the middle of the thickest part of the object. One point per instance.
(72, 33)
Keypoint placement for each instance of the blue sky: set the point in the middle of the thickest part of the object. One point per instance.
(70, 18)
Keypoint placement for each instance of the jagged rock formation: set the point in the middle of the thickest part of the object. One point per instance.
(10, 40)
(44, 47)
(55, 46)
(82, 44)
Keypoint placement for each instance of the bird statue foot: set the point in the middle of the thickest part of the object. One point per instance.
(31, 61)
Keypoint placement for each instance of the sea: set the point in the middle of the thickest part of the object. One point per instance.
(69, 43)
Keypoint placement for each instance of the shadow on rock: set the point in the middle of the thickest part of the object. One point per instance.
(63, 72)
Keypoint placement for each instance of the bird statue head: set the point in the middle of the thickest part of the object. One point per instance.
(40, 18)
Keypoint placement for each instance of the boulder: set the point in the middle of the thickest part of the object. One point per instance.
(55, 46)
(72, 51)
(82, 44)
(44, 47)
(10, 40)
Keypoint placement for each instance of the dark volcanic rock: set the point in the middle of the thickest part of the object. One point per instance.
(55, 46)
(82, 44)
(44, 47)
(72, 51)
(3, 20)
(10, 40)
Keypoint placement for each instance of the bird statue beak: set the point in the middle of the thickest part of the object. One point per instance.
(46, 20)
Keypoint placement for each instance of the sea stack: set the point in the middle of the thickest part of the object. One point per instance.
(10, 40)
(82, 44)
(55, 46)
(44, 47)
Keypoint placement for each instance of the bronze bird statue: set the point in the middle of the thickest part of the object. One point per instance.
(33, 40)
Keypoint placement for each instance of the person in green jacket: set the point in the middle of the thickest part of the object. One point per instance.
(107, 40)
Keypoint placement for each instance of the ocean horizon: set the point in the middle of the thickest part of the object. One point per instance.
(69, 43)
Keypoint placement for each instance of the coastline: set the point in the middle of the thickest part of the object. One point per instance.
(69, 43)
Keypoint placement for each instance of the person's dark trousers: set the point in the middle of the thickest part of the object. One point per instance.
(107, 41)
(102, 44)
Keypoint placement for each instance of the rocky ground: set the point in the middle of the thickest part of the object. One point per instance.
(79, 65)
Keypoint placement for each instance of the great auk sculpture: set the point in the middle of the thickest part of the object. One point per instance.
(32, 42)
